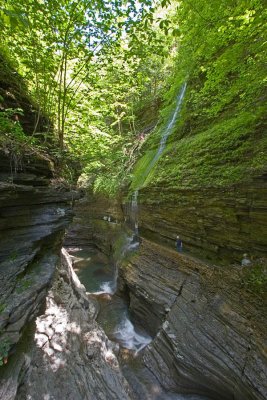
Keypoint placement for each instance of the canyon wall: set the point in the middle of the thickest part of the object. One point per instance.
(34, 215)
(97, 222)
(216, 224)
(209, 331)
(47, 322)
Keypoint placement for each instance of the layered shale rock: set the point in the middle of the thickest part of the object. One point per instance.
(33, 218)
(97, 222)
(57, 352)
(220, 224)
(209, 336)
(71, 348)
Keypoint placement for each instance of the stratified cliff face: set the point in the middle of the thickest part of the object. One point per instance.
(220, 224)
(34, 216)
(208, 331)
(51, 345)
(209, 337)
(97, 222)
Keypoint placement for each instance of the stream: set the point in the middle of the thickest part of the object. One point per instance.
(99, 276)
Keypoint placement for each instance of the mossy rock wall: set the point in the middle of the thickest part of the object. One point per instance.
(218, 224)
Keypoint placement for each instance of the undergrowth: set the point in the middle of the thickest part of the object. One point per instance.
(255, 278)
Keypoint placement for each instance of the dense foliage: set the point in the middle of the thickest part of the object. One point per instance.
(220, 138)
(90, 69)
(105, 73)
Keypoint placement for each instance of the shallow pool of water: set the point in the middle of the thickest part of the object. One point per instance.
(94, 269)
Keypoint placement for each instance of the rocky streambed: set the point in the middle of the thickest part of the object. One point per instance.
(130, 339)
(71, 357)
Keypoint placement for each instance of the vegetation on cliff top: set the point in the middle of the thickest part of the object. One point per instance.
(90, 69)
(220, 136)
(105, 75)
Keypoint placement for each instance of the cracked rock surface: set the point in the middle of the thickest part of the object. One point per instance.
(69, 355)
(209, 337)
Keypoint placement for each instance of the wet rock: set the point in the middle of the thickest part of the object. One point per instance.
(214, 223)
(72, 349)
(203, 330)
(31, 230)
(91, 225)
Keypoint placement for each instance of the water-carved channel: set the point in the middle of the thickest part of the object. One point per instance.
(98, 273)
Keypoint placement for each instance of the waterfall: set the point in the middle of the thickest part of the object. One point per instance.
(134, 211)
(127, 336)
(126, 244)
(166, 132)
(125, 332)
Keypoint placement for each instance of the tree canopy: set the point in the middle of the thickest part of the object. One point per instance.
(104, 73)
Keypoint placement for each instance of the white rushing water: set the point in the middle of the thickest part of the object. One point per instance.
(127, 336)
(128, 244)
(132, 212)
(135, 211)
(106, 288)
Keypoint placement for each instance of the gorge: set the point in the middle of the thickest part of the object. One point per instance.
(122, 126)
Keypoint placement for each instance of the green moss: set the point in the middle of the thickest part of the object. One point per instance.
(140, 174)
(2, 307)
(229, 152)
(220, 136)
(13, 256)
(4, 349)
(255, 278)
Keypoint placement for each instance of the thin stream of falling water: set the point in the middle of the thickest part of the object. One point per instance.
(134, 208)
(125, 332)
(166, 133)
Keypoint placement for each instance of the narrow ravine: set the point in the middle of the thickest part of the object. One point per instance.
(133, 214)
(98, 273)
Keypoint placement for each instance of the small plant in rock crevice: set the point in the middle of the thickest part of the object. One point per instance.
(255, 278)
(4, 349)
(13, 256)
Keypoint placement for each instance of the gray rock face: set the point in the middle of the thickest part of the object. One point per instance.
(208, 336)
(71, 357)
(63, 354)
(91, 225)
(33, 217)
